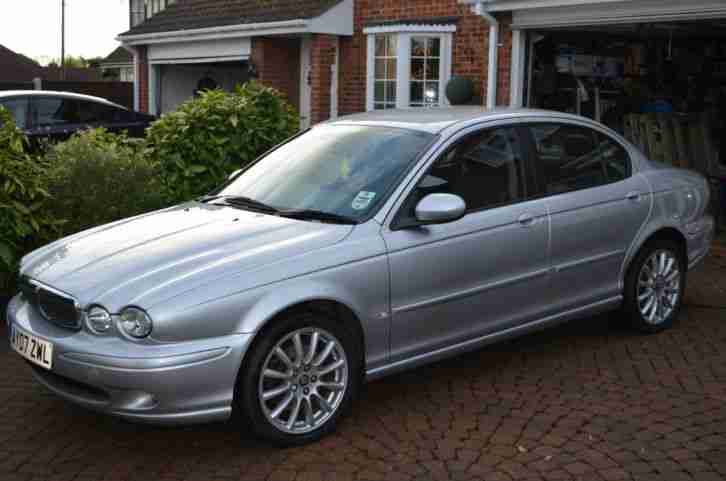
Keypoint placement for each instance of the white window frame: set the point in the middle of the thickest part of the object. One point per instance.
(403, 73)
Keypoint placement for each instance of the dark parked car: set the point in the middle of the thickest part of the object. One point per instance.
(58, 115)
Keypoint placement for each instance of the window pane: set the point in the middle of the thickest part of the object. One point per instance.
(380, 45)
(568, 157)
(615, 158)
(418, 47)
(417, 92)
(432, 70)
(391, 69)
(51, 111)
(431, 92)
(391, 92)
(380, 92)
(485, 169)
(380, 69)
(18, 108)
(391, 45)
(434, 47)
(418, 68)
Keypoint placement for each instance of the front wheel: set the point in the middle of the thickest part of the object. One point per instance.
(654, 286)
(299, 378)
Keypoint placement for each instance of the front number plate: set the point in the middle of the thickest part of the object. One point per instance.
(32, 348)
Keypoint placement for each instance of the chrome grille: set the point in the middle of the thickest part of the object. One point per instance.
(55, 306)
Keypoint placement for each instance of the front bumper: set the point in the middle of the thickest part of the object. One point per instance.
(176, 383)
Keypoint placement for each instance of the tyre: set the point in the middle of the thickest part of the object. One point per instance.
(654, 286)
(299, 378)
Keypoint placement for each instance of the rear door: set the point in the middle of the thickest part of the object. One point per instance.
(596, 207)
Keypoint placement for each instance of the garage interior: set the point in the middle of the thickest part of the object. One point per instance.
(661, 85)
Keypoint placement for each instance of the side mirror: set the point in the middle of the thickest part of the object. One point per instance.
(440, 208)
(234, 174)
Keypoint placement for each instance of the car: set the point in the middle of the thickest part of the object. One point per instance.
(359, 248)
(55, 116)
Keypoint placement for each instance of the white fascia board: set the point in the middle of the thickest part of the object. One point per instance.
(628, 11)
(336, 21)
(506, 5)
(410, 27)
(214, 33)
(117, 65)
(183, 60)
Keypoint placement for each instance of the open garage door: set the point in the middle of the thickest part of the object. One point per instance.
(660, 84)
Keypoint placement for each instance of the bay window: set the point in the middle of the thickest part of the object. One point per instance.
(408, 66)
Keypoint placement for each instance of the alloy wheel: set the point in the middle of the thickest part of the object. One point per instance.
(659, 286)
(303, 380)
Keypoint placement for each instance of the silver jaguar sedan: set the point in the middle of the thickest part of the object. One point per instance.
(359, 248)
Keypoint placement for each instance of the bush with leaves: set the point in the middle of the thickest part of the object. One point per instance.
(97, 177)
(24, 220)
(210, 136)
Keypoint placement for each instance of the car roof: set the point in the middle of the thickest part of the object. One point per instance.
(54, 93)
(434, 120)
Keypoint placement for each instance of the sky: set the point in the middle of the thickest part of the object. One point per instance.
(32, 27)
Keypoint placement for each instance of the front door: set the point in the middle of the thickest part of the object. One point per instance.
(597, 208)
(487, 271)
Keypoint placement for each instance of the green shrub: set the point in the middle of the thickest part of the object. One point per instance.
(97, 177)
(210, 136)
(24, 220)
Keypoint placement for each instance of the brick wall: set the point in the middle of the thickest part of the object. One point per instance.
(278, 65)
(469, 55)
(142, 64)
(504, 60)
(322, 56)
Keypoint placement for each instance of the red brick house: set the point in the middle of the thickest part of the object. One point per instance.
(334, 57)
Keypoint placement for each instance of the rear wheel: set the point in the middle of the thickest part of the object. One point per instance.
(299, 379)
(655, 285)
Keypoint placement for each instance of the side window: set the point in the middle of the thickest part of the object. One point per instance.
(56, 111)
(615, 158)
(485, 169)
(19, 109)
(569, 158)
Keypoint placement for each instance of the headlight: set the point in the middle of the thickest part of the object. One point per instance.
(135, 322)
(98, 320)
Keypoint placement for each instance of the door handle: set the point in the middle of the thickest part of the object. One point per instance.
(633, 195)
(526, 220)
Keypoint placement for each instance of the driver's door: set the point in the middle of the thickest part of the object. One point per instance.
(482, 273)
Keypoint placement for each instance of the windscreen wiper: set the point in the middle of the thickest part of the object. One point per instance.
(311, 214)
(242, 201)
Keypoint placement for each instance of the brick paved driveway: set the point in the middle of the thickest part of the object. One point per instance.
(583, 401)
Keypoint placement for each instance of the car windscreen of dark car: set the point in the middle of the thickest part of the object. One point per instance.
(346, 170)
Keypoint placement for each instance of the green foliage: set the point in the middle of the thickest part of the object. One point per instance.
(24, 220)
(97, 177)
(214, 134)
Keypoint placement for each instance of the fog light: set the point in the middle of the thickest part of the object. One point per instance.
(98, 320)
(135, 322)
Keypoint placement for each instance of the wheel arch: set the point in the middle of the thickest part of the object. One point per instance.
(270, 309)
(670, 233)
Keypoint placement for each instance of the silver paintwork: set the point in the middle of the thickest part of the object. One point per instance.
(212, 277)
(439, 208)
(303, 380)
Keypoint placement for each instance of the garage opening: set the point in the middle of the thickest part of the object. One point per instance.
(662, 85)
